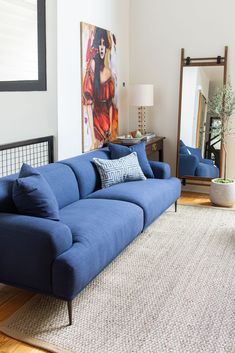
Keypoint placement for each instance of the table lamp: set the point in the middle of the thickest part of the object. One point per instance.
(141, 96)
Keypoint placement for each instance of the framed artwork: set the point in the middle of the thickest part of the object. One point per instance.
(99, 87)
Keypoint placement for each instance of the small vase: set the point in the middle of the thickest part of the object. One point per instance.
(222, 194)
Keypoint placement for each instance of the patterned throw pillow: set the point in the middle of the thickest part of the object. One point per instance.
(119, 170)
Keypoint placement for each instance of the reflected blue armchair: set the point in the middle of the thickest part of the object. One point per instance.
(191, 163)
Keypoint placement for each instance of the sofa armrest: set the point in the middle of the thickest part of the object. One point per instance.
(188, 165)
(28, 247)
(160, 170)
(207, 161)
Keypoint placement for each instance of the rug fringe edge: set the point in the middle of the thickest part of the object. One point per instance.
(31, 341)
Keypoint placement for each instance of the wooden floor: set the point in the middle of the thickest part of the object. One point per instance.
(12, 299)
(196, 199)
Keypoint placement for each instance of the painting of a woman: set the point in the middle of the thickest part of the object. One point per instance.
(99, 86)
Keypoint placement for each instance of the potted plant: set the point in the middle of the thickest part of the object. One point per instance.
(222, 105)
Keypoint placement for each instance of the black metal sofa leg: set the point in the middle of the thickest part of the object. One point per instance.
(176, 206)
(69, 304)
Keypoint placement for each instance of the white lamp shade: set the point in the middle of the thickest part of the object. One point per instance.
(141, 95)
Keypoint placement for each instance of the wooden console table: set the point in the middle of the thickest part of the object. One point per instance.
(154, 148)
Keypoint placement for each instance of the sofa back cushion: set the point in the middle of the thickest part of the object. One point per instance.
(62, 182)
(60, 178)
(85, 170)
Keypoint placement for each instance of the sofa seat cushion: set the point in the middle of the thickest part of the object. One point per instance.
(93, 220)
(207, 170)
(101, 229)
(154, 196)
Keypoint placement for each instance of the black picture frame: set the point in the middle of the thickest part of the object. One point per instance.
(41, 83)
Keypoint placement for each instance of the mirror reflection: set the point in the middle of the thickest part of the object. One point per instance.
(199, 145)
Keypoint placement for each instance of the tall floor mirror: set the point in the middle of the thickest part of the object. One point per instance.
(199, 153)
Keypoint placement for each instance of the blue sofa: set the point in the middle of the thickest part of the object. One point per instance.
(191, 163)
(61, 258)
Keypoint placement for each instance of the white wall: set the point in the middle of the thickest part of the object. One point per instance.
(158, 29)
(111, 15)
(203, 82)
(26, 115)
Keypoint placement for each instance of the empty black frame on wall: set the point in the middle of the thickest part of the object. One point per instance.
(41, 83)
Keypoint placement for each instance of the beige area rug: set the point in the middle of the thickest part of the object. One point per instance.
(171, 291)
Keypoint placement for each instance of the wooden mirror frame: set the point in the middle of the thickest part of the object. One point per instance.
(41, 83)
(187, 62)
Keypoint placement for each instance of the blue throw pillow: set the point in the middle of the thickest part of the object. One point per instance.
(33, 196)
(118, 151)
